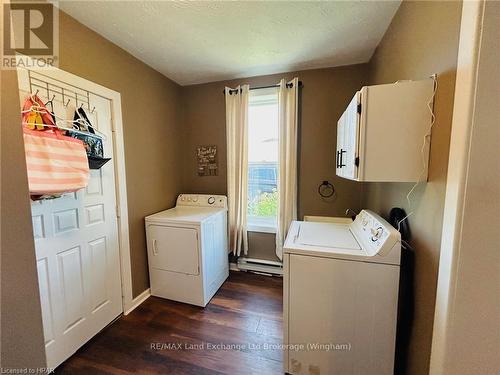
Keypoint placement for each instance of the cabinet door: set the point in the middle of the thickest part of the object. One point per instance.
(350, 142)
(341, 133)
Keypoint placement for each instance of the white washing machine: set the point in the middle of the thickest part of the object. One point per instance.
(341, 282)
(188, 249)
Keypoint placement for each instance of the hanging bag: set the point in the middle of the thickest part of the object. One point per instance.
(55, 163)
(93, 144)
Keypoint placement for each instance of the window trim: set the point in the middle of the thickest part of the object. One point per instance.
(261, 229)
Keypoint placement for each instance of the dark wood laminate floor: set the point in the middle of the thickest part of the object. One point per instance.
(165, 337)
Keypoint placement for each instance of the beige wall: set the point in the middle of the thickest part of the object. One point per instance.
(22, 343)
(325, 94)
(151, 127)
(421, 40)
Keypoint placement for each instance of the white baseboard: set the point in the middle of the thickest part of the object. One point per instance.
(233, 267)
(137, 301)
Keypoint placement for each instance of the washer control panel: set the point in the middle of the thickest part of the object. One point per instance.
(202, 200)
(375, 235)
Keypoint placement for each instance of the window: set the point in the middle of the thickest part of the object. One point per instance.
(263, 132)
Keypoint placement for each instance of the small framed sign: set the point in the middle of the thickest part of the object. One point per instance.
(207, 160)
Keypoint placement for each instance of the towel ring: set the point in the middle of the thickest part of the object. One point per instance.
(326, 189)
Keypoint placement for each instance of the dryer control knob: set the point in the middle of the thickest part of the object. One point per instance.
(377, 233)
(211, 200)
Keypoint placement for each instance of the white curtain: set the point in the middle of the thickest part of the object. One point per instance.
(237, 166)
(287, 176)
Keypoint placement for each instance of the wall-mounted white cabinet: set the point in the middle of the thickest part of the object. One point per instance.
(381, 133)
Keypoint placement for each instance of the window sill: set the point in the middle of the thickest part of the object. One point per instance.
(261, 224)
(260, 228)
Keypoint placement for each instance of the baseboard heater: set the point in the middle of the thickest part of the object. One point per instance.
(260, 266)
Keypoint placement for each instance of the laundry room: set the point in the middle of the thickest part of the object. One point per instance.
(211, 187)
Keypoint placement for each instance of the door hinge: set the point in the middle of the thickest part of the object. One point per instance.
(117, 211)
(356, 161)
(359, 108)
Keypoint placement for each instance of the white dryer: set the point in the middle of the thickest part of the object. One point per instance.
(341, 282)
(188, 249)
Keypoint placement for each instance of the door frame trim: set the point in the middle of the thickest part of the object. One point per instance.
(469, 241)
(119, 167)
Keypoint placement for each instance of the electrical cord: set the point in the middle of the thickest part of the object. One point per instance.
(422, 153)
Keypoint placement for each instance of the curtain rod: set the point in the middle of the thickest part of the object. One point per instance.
(263, 87)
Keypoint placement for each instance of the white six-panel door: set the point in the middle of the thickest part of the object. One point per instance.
(77, 249)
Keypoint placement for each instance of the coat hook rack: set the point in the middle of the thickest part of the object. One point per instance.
(51, 99)
(58, 90)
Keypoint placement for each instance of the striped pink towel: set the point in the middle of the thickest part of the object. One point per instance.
(55, 163)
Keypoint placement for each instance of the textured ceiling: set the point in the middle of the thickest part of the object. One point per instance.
(198, 42)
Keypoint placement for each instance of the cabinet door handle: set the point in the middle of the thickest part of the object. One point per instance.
(155, 250)
(341, 165)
